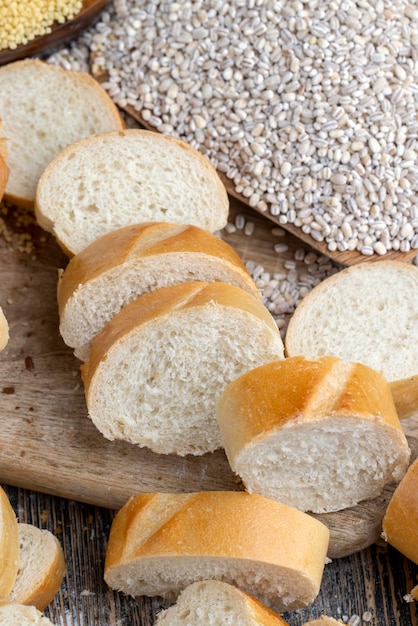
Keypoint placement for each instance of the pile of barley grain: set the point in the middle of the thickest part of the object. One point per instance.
(308, 107)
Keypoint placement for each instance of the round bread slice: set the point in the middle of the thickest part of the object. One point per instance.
(4, 330)
(213, 602)
(9, 546)
(160, 543)
(157, 368)
(115, 179)
(320, 435)
(41, 570)
(367, 313)
(128, 262)
(22, 615)
(400, 522)
(44, 108)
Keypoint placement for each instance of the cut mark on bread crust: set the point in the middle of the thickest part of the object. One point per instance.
(326, 395)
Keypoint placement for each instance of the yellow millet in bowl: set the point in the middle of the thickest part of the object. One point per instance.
(21, 22)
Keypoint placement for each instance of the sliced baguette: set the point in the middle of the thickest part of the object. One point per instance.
(320, 434)
(114, 179)
(44, 108)
(366, 313)
(215, 603)
(22, 615)
(4, 330)
(9, 546)
(400, 522)
(157, 368)
(125, 263)
(42, 567)
(161, 543)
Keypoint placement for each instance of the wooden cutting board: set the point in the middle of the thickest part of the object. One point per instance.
(48, 444)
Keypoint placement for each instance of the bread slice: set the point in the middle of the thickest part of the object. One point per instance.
(115, 179)
(42, 567)
(128, 262)
(9, 546)
(400, 522)
(366, 313)
(215, 603)
(157, 368)
(4, 330)
(44, 108)
(160, 543)
(22, 615)
(320, 434)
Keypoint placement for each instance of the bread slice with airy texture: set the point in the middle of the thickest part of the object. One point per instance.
(44, 108)
(4, 330)
(115, 179)
(317, 434)
(156, 369)
(215, 603)
(42, 567)
(400, 522)
(22, 615)
(160, 543)
(127, 262)
(366, 313)
(9, 546)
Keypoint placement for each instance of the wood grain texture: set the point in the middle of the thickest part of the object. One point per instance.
(60, 33)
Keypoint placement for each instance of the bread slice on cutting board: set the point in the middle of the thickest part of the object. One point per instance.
(44, 108)
(156, 369)
(213, 603)
(160, 543)
(319, 434)
(400, 522)
(41, 570)
(366, 313)
(128, 262)
(114, 179)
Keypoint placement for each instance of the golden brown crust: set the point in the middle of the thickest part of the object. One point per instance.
(212, 524)
(400, 522)
(260, 404)
(9, 546)
(141, 241)
(162, 302)
(405, 396)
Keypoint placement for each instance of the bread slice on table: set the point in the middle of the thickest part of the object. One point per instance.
(317, 434)
(214, 603)
(156, 369)
(22, 615)
(367, 313)
(160, 543)
(128, 262)
(400, 523)
(9, 546)
(114, 179)
(44, 108)
(4, 330)
(42, 567)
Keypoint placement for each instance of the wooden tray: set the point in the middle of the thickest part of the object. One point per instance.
(60, 33)
(48, 444)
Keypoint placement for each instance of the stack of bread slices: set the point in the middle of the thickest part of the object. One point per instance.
(32, 568)
(180, 355)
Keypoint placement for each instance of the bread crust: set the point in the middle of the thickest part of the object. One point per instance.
(400, 522)
(162, 302)
(42, 577)
(9, 546)
(266, 402)
(218, 525)
(4, 330)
